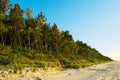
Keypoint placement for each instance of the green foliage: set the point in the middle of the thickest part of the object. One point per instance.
(4, 6)
(32, 42)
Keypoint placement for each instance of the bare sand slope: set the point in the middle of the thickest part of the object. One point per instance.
(108, 71)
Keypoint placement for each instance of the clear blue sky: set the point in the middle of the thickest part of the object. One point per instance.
(96, 22)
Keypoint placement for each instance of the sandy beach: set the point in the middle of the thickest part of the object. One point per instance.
(107, 71)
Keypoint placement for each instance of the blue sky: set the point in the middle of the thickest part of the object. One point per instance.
(96, 22)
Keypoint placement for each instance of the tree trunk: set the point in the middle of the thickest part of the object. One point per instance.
(2, 39)
(10, 40)
(29, 42)
(20, 41)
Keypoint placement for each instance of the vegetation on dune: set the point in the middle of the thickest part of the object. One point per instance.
(32, 42)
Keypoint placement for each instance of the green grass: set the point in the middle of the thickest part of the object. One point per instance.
(17, 58)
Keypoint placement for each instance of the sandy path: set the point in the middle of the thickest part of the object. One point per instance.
(109, 71)
(73, 74)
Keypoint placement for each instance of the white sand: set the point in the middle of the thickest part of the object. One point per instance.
(108, 71)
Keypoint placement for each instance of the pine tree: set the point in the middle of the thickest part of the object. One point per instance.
(46, 37)
(4, 6)
(3, 29)
(55, 38)
(29, 24)
(18, 23)
(67, 46)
